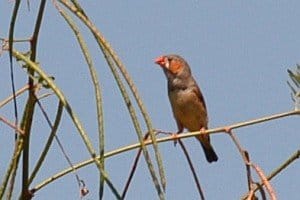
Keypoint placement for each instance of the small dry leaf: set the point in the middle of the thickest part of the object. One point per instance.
(83, 191)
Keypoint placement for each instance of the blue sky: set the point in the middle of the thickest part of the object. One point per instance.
(239, 53)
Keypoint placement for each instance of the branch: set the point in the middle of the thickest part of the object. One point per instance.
(165, 139)
(201, 193)
(69, 110)
(112, 57)
(12, 125)
(265, 181)
(292, 158)
(11, 97)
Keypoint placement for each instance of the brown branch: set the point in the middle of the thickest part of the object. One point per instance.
(247, 163)
(265, 181)
(146, 137)
(251, 195)
(230, 127)
(133, 169)
(291, 159)
(244, 155)
(201, 193)
(8, 99)
(248, 169)
(80, 182)
(12, 125)
(261, 190)
(165, 139)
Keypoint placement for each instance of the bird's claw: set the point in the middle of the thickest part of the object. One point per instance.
(175, 138)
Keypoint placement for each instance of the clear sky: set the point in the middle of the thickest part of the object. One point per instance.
(239, 53)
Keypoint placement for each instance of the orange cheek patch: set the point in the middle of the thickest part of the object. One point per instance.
(175, 67)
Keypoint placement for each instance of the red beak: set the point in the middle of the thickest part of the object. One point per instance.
(160, 60)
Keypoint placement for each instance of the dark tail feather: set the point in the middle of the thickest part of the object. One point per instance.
(210, 154)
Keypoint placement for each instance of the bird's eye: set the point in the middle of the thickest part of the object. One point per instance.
(169, 59)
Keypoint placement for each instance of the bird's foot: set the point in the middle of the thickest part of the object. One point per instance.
(175, 138)
(202, 130)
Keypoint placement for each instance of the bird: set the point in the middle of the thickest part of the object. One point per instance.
(187, 102)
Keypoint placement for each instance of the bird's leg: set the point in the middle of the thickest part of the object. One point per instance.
(202, 135)
(175, 138)
(202, 130)
(180, 130)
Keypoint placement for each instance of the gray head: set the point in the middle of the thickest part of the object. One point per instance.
(174, 66)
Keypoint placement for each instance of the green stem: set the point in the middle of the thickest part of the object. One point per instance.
(68, 108)
(48, 143)
(97, 89)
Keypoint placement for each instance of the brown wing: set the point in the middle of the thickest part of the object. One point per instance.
(198, 92)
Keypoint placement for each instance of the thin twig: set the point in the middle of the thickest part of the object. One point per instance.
(239, 147)
(261, 191)
(8, 99)
(247, 162)
(48, 143)
(15, 40)
(133, 169)
(68, 159)
(69, 110)
(97, 88)
(12, 125)
(42, 96)
(251, 195)
(245, 156)
(201, 193)
(164, 139)
(134, 166)
(10, 48)
(248, 169)
(265, 181)
(80, 182)
(12, 169)
(109, 53)
(185, 153)
(291, 159)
